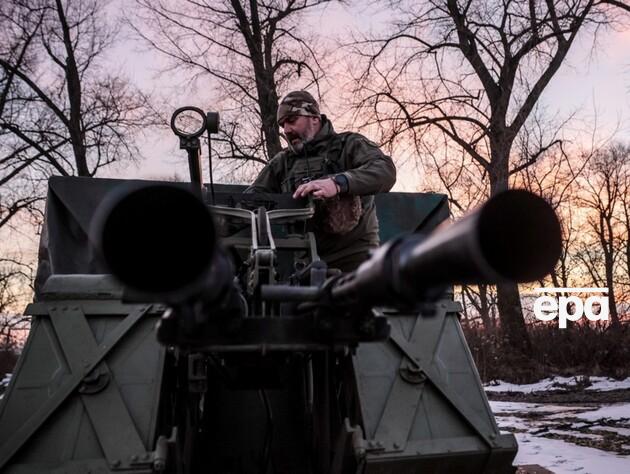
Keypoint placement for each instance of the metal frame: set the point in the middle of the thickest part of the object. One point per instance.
(390, 442)
(91, 379)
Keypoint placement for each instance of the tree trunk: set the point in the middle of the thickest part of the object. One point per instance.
(609, 270)
(260, 55)
(268, 102)
(626, 212)
(508, 297)
(484, 307)
(73, 81)
(511, 317)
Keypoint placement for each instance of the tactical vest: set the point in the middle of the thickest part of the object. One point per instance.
(305, 168)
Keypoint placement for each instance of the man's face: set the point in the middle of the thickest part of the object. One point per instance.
(299, 129)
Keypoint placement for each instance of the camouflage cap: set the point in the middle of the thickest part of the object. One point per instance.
(297, 103)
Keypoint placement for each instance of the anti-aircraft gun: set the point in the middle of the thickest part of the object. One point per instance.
(267, 360)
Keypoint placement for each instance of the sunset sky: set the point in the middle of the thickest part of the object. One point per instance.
(587, 85)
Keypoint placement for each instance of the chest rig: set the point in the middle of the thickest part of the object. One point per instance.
(323, 159)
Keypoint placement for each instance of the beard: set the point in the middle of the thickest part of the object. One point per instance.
(297, 141)
(296, 146)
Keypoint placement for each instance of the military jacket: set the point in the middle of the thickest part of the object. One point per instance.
(367, 168)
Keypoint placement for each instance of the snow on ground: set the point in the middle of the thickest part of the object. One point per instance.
(589, 438)
(507, 407)
(566, 439)
(562, 457)
(600, 384)
(613, 411)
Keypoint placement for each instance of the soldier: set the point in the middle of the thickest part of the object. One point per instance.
(340, 170)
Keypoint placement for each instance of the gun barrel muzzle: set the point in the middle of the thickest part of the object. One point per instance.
(515, 236)
(156, 239)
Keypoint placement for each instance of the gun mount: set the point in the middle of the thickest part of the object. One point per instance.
(161, 242)
(268, 361)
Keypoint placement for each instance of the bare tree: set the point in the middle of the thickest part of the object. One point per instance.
(251, 51)
(555, 179)
(625, 216)
(482, 299)
(61, 113)
(604, 194)
(473, 72)
(15, 279)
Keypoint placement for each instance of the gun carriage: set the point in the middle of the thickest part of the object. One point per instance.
(263, 359)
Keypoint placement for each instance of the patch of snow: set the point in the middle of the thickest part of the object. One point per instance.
(563, 457)
(613, 411)
(601, 384)
(545, 384)
(579, 425)
(615, 429)
(513, 422)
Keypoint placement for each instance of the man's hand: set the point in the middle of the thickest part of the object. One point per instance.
(319, 188)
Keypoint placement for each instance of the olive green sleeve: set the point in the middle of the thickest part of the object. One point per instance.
(369, 170)
(268, 180)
